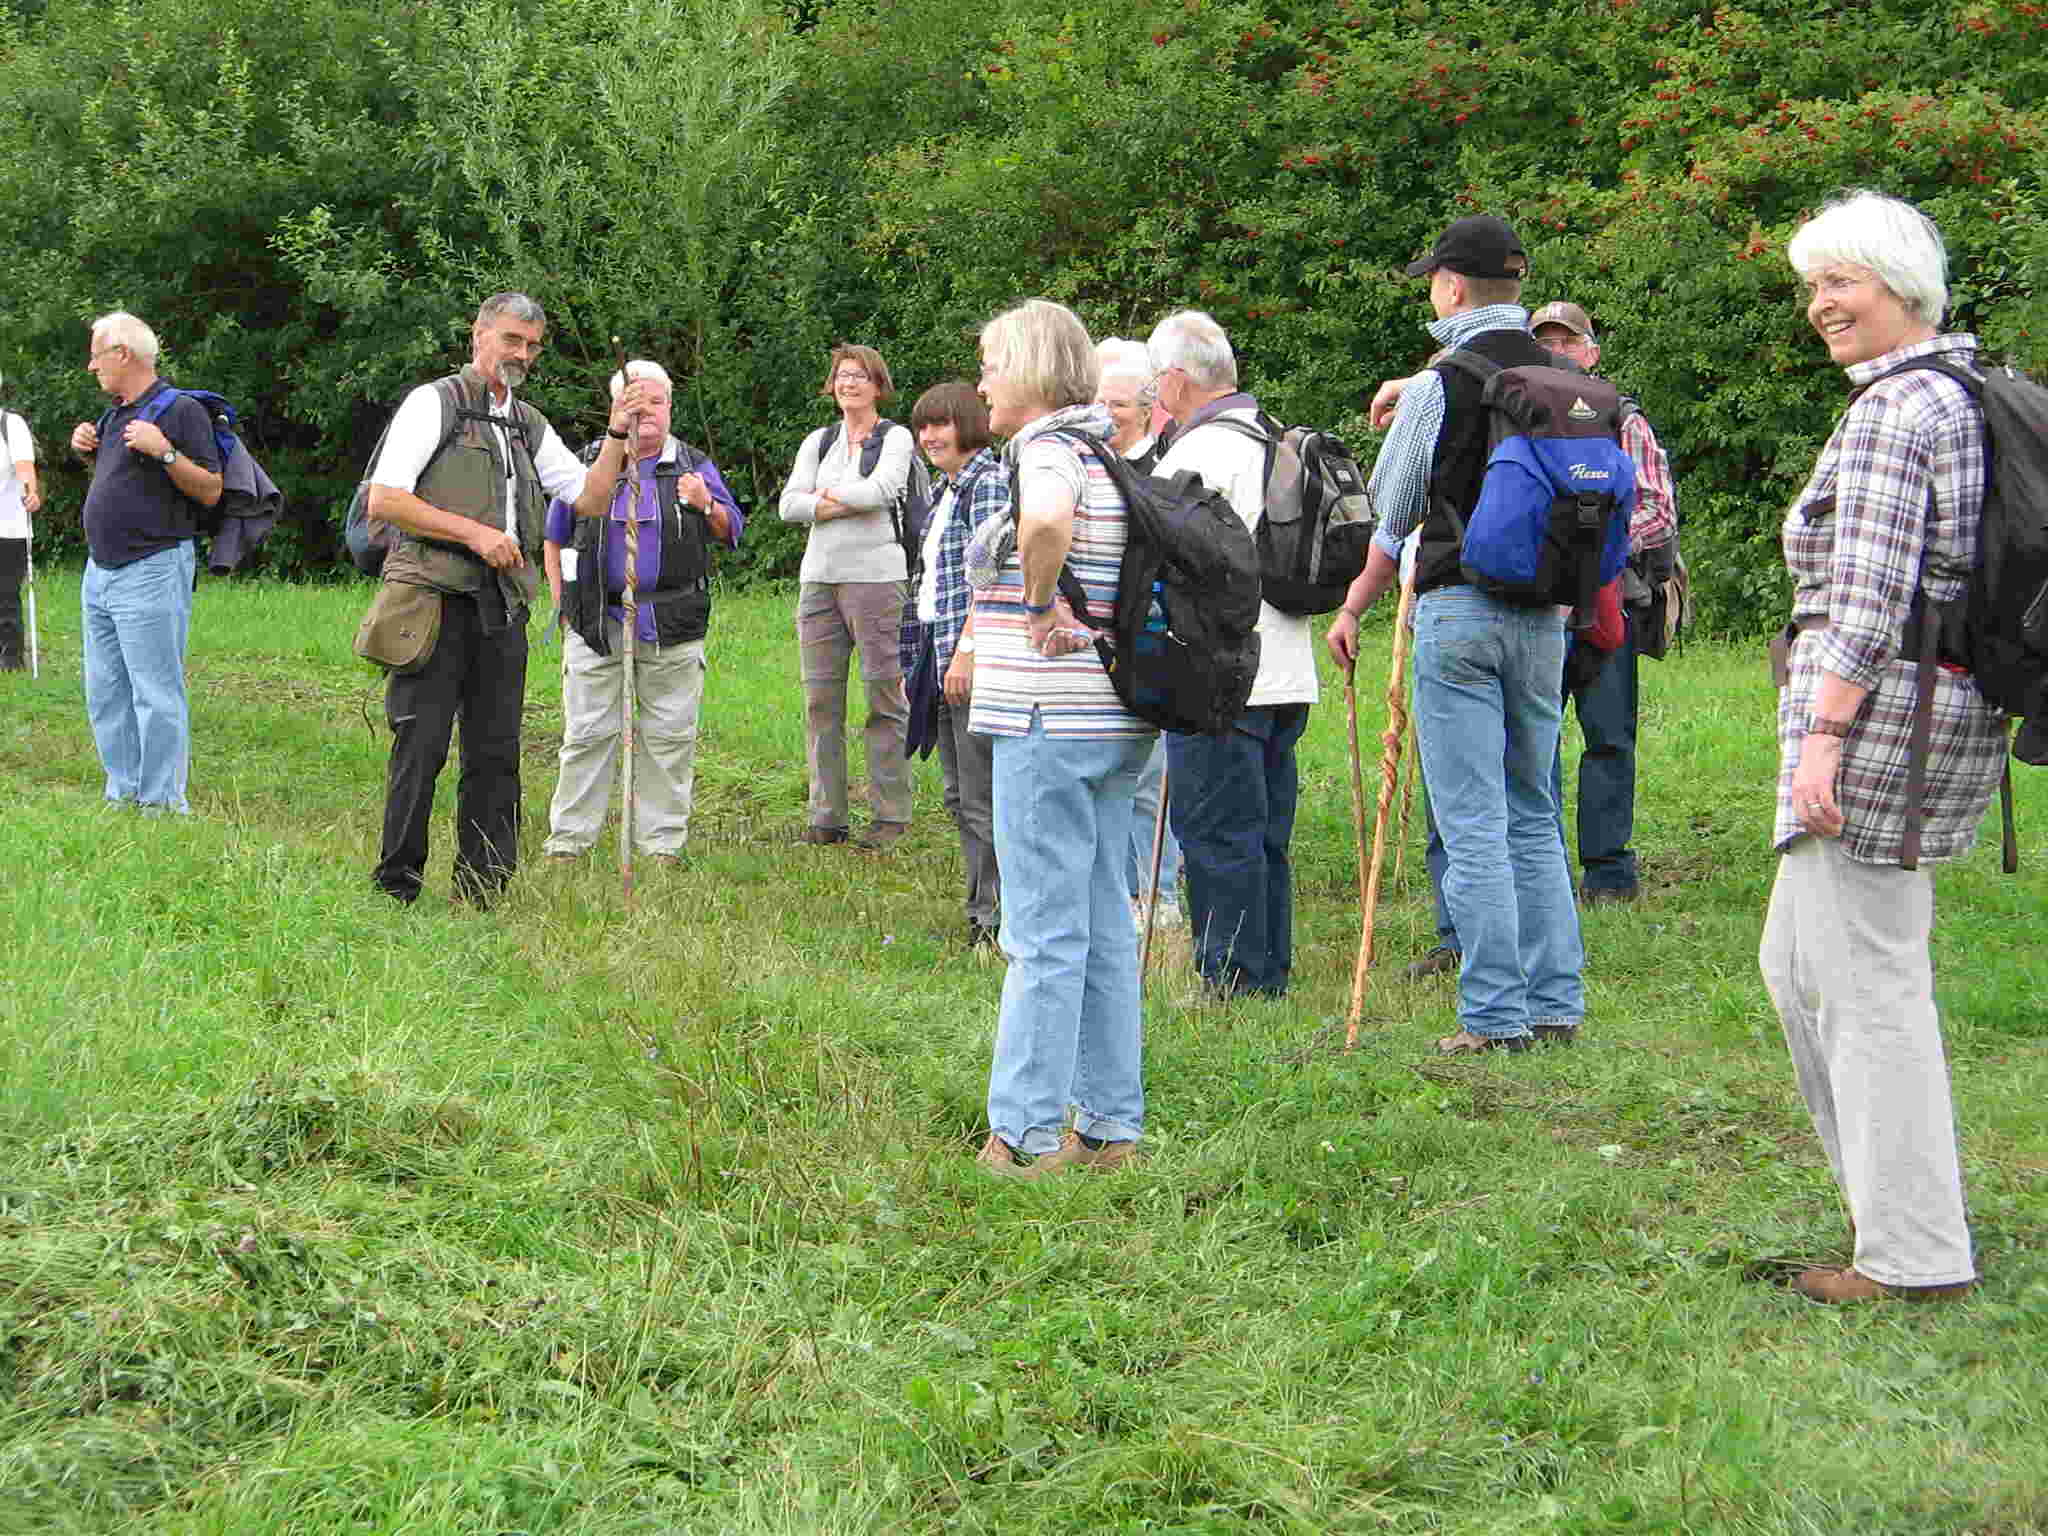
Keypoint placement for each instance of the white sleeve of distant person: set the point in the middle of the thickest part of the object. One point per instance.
(21, 448)
(561, 473)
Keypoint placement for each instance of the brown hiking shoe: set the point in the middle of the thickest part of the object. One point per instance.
(1073, 1152)
(1838, 1287)
(1441, 961)
(997, 1157)
(822, 835)
(882, 834)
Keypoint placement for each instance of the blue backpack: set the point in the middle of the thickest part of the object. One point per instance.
(235, 499)
(1552, 519)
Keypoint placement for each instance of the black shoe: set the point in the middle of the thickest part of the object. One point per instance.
(1555, 1034)
(980, 936)
(1441, 961)
(1466, 1044)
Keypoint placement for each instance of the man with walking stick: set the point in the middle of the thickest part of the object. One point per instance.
(1487, 700)
(21, 498)
(464, 477)
(682, 508)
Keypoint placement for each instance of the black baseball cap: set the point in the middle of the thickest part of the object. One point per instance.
(1476, 246)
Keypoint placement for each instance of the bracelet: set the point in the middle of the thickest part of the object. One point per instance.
(1037, 608)
(617, 437)
(1821, 725)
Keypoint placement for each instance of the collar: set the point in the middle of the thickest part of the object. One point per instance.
(1091, 419)
(1237, 400)
(978, 462)
(1860, 374)
(1456, 330)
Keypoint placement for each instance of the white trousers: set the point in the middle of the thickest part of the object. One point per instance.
(1845, 956)
(669, 688)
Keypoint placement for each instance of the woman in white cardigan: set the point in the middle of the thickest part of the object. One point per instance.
(847, 480)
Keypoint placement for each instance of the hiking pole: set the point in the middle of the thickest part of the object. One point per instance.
(1390, 774)
(35, 659)
(1152, 884)
(629, 648)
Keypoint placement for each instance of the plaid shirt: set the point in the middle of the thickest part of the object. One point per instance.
(1656, 517)
(988, 492)
(1892, 509)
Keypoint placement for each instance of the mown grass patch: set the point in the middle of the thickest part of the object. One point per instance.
(319, 1215)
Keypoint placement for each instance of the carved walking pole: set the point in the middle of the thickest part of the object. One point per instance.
(629, 696)
(1152, 885)
(1390, 774)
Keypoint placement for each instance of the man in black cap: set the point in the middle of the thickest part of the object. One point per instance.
(1487, 672)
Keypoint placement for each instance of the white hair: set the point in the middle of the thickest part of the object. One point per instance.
(1194, 343)
(642, 368)
(118, 328)
(1122, 358)
(1889, 237)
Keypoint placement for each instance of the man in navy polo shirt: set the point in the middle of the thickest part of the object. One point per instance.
(150, 480)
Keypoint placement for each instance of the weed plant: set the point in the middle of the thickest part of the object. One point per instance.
(321, 1215)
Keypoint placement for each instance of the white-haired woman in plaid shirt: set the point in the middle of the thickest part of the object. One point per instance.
(1890, 514)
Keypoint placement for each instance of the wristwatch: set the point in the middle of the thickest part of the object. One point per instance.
(169, 457)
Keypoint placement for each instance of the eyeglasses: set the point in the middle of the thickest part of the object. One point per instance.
(850, 376)
(99, 352)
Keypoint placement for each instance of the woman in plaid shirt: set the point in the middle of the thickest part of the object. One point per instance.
(1891, 511)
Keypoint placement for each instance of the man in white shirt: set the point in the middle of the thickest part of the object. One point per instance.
(465, 476)
(20, 499)
(1233, 796)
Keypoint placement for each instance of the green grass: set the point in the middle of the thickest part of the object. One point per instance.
(316, 1215)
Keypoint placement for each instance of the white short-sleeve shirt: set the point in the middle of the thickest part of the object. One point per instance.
(416, 431)
(21, 449)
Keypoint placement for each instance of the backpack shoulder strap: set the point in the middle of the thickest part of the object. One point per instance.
(1474, 365)
(871, 450)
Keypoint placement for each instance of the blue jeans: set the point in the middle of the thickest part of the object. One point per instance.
(1487, 707)
(1233, 806)
(1437, 860)
(137, 618)
(1607, 770)
(1144, 820)
(1070, 1031)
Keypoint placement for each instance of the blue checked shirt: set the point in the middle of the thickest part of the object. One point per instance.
(985, 485)
(1399, 487)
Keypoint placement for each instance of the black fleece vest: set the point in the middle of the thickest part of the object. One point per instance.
(681, 595)
(1459, 463)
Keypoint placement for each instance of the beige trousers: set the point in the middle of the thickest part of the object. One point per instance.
(669, 690)
(1845, 956)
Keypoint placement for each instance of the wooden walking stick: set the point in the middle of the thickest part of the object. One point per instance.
(629, 697)
(1390, 774)
(1152, 885)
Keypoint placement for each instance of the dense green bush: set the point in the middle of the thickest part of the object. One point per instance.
(309, 201)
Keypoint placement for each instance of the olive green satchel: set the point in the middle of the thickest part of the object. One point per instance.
(401, 628)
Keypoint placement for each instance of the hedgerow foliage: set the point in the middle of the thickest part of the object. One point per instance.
(308, 201)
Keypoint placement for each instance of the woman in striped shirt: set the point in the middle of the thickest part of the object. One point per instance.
(1067, 760)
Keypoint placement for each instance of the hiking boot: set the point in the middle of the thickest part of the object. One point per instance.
(981, 936)
(1464, 1043)
(822, 835)
(1075, 1152)
(1554, 1031)
(1441, 961)
(882, 834)
(996, 1157)
(1838, 1287)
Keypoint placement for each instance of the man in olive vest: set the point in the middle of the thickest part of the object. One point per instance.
(465, 478)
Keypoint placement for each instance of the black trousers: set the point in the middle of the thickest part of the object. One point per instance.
(477, 676)
(13, 638)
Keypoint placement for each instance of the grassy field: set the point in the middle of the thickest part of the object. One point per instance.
(318, 1215)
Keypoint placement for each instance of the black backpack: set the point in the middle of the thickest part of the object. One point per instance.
(910, 513)
(1999, 628)
(1181, 647)
(1318, 524)
(369, 542)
